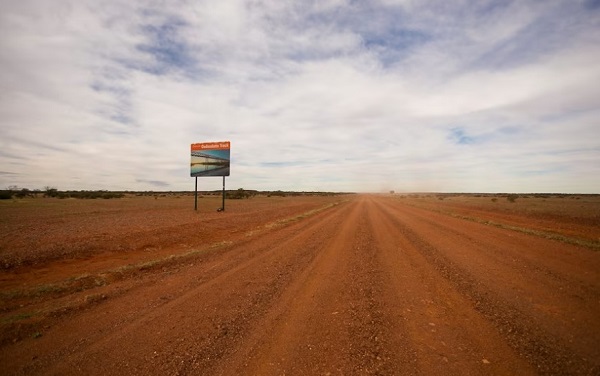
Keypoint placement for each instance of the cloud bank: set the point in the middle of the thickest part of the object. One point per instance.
(331, 95)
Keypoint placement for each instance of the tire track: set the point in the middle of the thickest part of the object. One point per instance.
(568, 264)
(366, 287)
(198, 325)
(329, 321)
(450, 337)
(548, 352)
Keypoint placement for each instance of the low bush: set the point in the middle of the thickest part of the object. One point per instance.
(512, 198)
(6, 195)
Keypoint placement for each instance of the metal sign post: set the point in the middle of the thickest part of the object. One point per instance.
(223, 206)
(196, 195)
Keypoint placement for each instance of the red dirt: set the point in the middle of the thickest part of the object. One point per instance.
(578, 219)
(368, 286)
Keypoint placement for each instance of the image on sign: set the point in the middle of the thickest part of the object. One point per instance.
(210, 159)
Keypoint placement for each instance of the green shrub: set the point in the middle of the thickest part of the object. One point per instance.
(51, 192)
(238, 195)
(23, 193)
(5, 195)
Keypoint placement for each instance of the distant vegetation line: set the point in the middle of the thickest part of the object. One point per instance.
(14, 192)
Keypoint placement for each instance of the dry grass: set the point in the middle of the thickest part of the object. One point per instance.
(573, 219)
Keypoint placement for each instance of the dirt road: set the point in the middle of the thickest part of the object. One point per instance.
(369, 286)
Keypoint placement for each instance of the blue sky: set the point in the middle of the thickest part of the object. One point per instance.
(366, 96)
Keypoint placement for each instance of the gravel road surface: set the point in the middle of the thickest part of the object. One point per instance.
(369, 286)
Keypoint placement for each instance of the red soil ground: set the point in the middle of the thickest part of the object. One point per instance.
(314, 285)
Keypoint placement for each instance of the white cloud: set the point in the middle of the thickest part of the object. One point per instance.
(327, 96)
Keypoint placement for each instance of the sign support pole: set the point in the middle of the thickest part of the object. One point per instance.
(196, 195)
(223, 206)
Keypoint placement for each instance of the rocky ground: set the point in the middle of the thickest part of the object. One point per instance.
(358, 284)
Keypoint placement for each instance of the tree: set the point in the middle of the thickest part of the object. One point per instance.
(23, 193)
(239, 194)
(51, 192)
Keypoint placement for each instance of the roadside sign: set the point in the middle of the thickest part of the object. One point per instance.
(210, 159)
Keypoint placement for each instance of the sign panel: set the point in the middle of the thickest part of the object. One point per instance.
(210, 159)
